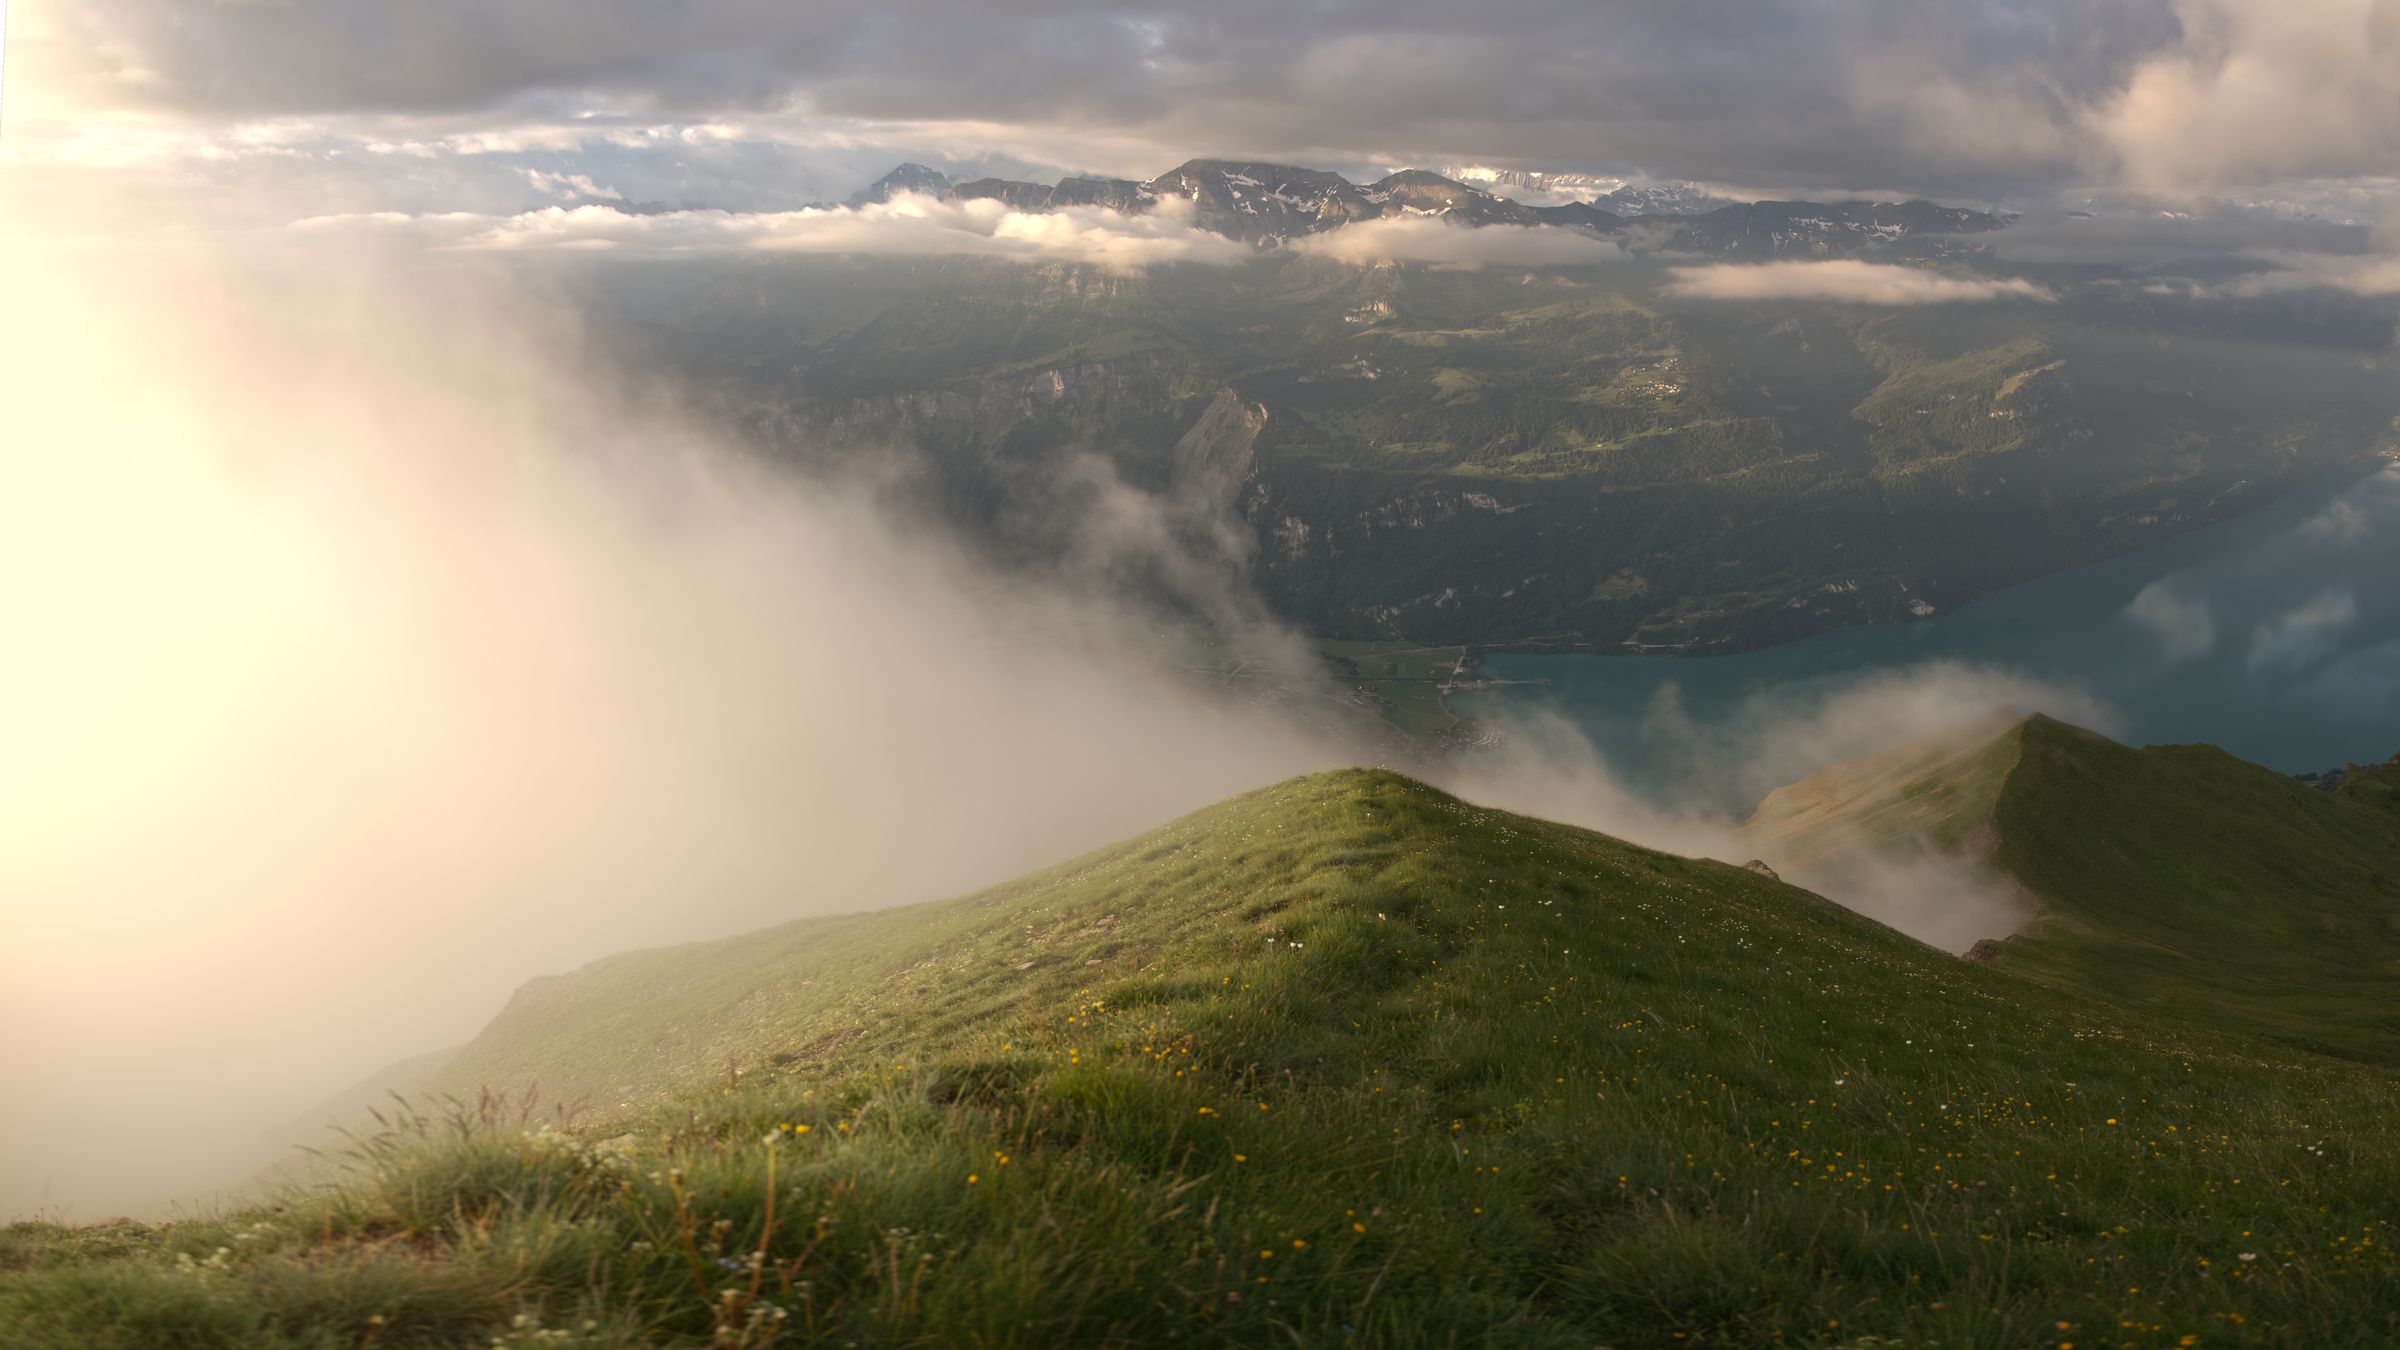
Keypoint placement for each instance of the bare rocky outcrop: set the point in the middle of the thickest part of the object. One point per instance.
(1212, 460)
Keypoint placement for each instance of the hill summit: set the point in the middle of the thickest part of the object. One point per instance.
(2173, 878)
(1344, 1060)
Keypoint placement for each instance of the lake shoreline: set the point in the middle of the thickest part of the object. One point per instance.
(2331, 481)
(2275, 633)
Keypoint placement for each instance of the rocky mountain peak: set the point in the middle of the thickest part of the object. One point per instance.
(910, 177)
(1266, 204)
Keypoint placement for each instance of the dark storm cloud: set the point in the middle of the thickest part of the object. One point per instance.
(1972, 99)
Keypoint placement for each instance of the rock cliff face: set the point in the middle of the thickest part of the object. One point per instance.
(906, 178)
(1117, 194)
(1212, 460)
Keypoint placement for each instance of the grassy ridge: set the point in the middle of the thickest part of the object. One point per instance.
(2215, 891)
(2175, 879)
(1346, 1061)
(1940, 796)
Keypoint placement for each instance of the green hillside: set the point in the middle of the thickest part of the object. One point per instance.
(2176, 879)
(1575, 453)
(1939, 795)
(1344, 1061)
(2181, 878)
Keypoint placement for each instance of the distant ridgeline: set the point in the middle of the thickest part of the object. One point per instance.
(2348, 778)
(1276, 203)
(1349, 1061)
(2176, 879)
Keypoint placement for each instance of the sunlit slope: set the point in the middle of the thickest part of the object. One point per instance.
(1937, 795)
(1160, 919)
(1345, 1061)
(2174, 878)
(2376, 784)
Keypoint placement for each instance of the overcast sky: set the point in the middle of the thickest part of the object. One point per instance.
(486, 105)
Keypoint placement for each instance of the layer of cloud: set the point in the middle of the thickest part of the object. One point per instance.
(1429, 239)
(374, 646)
(913, 224)
(1977, 99)
(2357, 273)
(1549, 767)
(570, 185)
(1845, 281)
(2227, 246)
(908, 224)
(2303, 636)
(2256, 91)
(1783, 734)
(2153, 238)
(1709, 771)
(2341, 524)
(2185, 626)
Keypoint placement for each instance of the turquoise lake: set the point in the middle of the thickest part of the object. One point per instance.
(2275, 634)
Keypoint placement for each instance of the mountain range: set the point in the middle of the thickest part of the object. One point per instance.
(1668, 198)
(1269, 204)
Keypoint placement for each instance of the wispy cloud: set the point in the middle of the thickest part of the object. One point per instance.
(488, 654)
(2185, 626)
(1430, 239)
(2256, 91)
(2340, 524)
(2302, 636)
(1549, 766)
(907, 224)
(2357, 273)
(570, 185)
(1846, 281)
